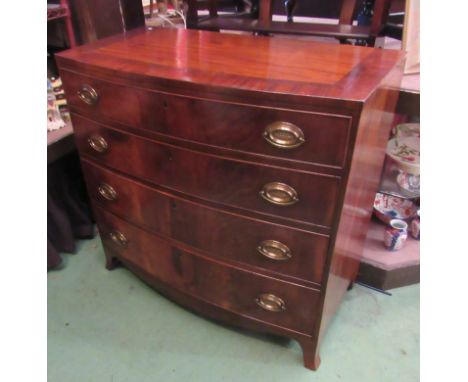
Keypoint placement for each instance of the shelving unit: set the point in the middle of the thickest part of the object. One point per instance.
(385, 269)
(381, 268)
(62, 11)
(60, 142)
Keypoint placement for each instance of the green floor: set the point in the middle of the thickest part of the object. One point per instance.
(109, 326)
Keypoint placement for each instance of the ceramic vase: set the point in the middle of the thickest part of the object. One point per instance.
(395, 234)
(415, 226)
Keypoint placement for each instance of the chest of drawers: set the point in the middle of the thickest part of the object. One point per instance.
(234, 174)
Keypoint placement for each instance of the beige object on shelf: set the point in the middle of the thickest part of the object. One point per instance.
(406, 130)
(411, 37)
(405, 153)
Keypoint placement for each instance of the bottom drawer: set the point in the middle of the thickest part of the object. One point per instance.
(248, 294)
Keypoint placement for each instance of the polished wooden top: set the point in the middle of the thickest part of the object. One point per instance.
(256, 63)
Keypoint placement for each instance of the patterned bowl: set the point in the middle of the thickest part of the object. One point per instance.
(404, 130)
(408, 182)
(387, 207)
(405, 152)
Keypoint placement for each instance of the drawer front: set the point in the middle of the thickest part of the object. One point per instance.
(227, 287)
(130, 106)
(217, 233)
(309, 137)
(305, 197)
(302, 136)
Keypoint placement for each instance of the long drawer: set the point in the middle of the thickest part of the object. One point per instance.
(278, 249)
(295, 195)
(294, 135)
(300, 196)
(248, 294)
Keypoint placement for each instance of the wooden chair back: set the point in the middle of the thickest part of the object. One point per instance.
(266, 24)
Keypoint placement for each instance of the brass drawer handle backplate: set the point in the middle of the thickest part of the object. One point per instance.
(98, 143)
(284, 135)
(279, 193)
(118, 238)
(107, 191)
(274, 250)
(88, 95)
(270, 302)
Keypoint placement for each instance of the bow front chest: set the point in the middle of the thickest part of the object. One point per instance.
(235, 174)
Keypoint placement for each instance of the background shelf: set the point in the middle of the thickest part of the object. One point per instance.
(386, 269)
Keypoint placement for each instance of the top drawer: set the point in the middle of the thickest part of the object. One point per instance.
(321, 139)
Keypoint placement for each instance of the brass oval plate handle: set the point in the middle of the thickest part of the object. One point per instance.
(284, 135)
(274, 250)
(118, 238)
(98, 143)
(270, 302)
(279, 193)
(107, 191)
(88, 95)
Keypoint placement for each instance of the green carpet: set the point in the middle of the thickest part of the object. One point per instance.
(109, 326)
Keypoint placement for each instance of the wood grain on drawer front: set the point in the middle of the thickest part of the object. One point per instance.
(224, 286)
(212, 178)
(241, 127)
(228, 125)
(130, 106)
(215, 232)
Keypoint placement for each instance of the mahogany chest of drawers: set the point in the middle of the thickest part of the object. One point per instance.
(235, 174)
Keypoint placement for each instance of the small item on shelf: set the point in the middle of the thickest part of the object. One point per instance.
(404, 130)
(388, 207)
(415, 226)
(408, 182)
(405, 152)
(54, 119)
(397, 183)
(395, 234)
(57, 111)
